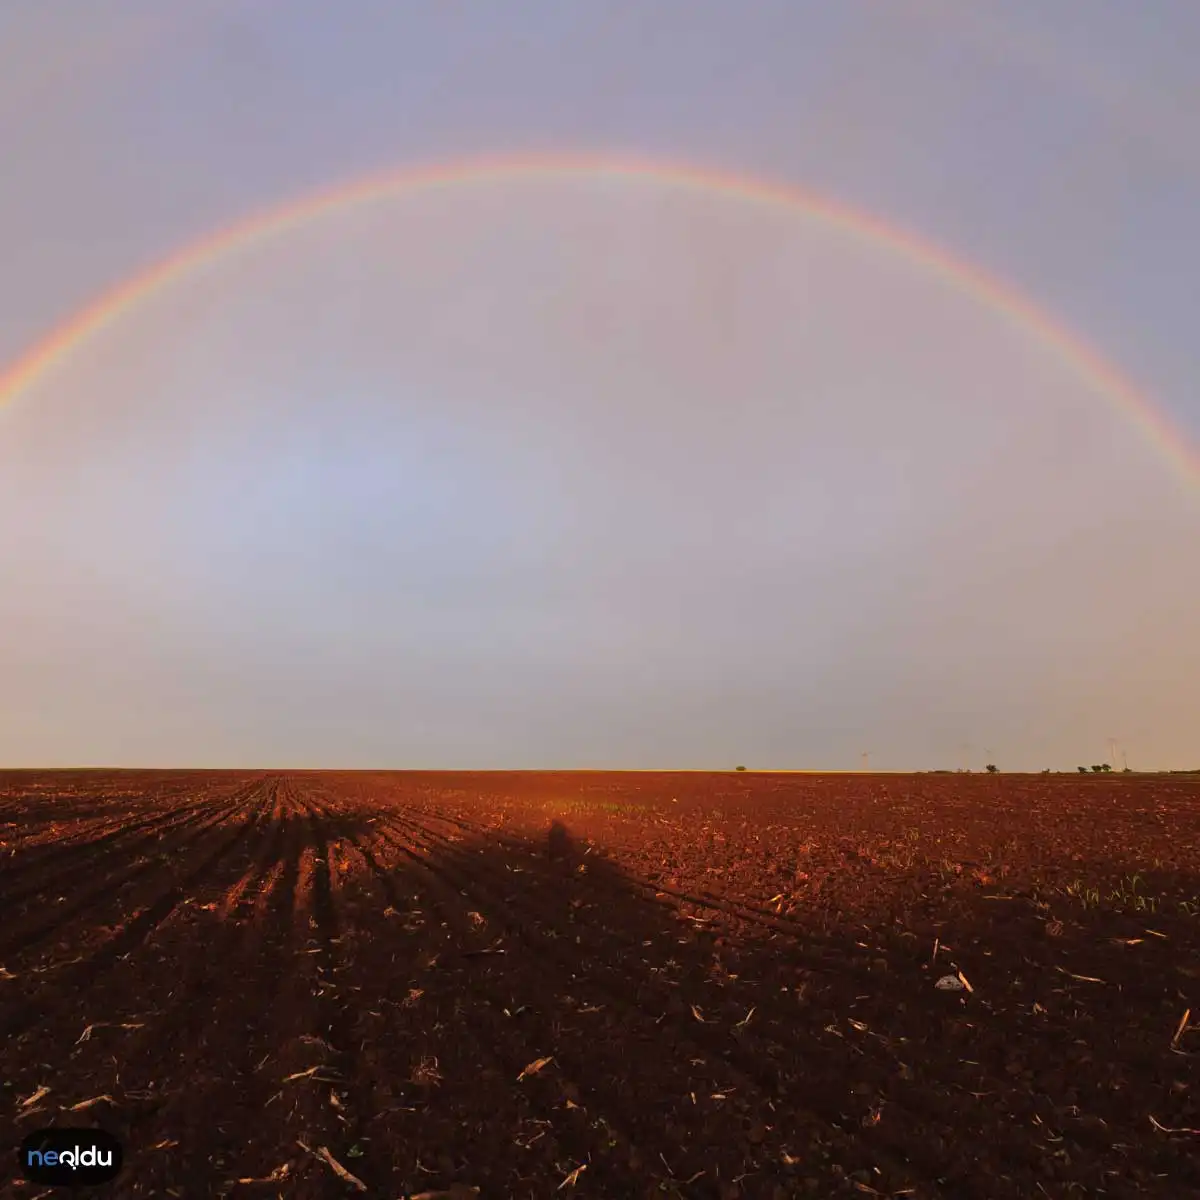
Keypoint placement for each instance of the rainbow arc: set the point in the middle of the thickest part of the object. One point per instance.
(1173, 446)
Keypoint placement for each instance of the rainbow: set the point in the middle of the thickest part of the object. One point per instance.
(1171, 443)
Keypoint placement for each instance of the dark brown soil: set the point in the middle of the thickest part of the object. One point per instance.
(386, 985)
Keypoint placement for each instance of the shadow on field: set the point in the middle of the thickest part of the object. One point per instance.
(578, 1018)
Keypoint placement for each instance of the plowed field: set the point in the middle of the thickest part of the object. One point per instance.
(387, 985)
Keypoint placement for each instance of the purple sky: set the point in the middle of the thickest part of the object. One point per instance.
(585, 471)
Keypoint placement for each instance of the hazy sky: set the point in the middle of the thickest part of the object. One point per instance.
(591, 469)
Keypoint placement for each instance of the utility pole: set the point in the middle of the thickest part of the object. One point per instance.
(1112, 751)
(866, 760)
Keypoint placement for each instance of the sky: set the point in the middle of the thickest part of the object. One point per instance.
(595, 466)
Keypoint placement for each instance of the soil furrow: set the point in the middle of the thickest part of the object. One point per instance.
(167, 1008)
(34, 879)
(102, 902)
(127, 836)
(197, 860)
(232, 1005)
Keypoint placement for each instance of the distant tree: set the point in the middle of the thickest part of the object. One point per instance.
(1046, 771)
(992, 768)
(1097, 768)
(1105, 767)
(1083, 770)
(739, 768)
